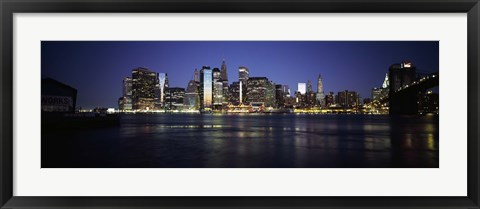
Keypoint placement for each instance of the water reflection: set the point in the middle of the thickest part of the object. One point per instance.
(189, 140)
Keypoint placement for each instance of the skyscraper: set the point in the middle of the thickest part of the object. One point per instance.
(386, 82)
(196, 75)
(223, 71)
(234, 93)
(309, 86)
(302, 88)
(260, 91)
(127, 87)
(330, 99)
(279, 95)
(163, 85)
(191, 101)
(125, 102)
(224, 77)
(174, 98)
(217, 88)
(144, 82)
(206, 80)
(320, 94)
(243, 74)
(347, 99)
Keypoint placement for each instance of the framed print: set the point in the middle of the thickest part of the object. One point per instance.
(265, 104)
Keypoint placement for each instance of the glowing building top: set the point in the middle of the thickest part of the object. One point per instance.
(386, 82)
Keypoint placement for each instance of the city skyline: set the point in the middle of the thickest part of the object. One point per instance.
(104, 64)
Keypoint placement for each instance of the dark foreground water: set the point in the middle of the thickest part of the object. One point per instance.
(247, 141)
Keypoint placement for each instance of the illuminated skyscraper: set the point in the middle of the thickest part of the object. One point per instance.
(217, 89)
(260, 91)
(163, 86)
(347, 99)
(243, 74)
(234, 93)
(320, 94)
(196, 75)
(125, 102)
(144, 82)
(330, 99)
(302, 88)
(174, 98)
(379, 93)
(127, 87)
(386, 82)
(206, 82)
(191, 101)
(224, 77)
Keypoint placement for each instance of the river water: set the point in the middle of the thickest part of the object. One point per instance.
(248, 141)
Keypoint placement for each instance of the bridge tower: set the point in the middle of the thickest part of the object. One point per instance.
(400, 76)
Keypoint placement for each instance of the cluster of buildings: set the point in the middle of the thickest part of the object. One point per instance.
(210, 90)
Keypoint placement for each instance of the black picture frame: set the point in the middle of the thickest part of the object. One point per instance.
(9, 7)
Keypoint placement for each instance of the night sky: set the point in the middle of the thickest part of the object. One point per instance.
(96, 68)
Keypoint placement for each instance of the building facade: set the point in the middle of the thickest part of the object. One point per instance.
(57, 96)
(320, 94)
(347, 99)
(206, 88)
(192, 97)
(174, 98)
(144, 83)
(302, 88)
(260, 91)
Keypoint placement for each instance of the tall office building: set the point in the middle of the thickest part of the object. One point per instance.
(400, 75)
(377, 93)
(163, 88)
(260, 91)
(207, 88)
(196, 75)
(192, 99)
(279, 96)
(234, 93)
(223, 71)
(286, 91)
(127, 87)
(125, 102)
(330, 99)
(243, 74)
(224, 76)
(320, 94)
(309, 86)
(347, 99)
(174, 97)
(302, 88)
(217, 88)
(144, 82)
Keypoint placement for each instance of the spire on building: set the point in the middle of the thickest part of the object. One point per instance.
(386, 82)
(223, 72)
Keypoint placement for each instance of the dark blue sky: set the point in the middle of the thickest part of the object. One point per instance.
(96, 68)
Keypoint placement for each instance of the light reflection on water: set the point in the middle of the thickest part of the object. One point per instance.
(249, 141)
